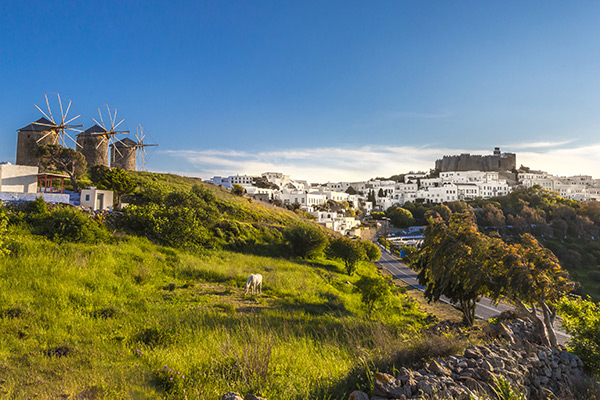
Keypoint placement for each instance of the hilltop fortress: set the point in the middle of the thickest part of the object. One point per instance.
(498, 161)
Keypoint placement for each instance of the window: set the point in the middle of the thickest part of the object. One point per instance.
(87, 197)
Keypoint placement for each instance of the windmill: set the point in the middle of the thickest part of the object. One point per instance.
(108, 135)
(57, 130)
(141, 147)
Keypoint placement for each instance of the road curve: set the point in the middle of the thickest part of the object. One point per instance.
(485, 308)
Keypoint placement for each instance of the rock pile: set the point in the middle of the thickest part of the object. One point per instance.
(531, 369)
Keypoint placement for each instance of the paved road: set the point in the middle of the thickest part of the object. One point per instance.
(485, 308)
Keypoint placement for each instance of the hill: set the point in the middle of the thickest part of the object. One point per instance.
(98, 307)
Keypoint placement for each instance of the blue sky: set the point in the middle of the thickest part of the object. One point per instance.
(336, 90)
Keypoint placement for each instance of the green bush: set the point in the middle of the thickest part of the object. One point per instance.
(581, 319)
(3, 231)
(70, 225)
(305, 241)
(373, 290)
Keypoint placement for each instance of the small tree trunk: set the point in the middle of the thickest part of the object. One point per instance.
(549, 323)
(539, 325)
(467, 307)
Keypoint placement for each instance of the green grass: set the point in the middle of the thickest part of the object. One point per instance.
(103, 321)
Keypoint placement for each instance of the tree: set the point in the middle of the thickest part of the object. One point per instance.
(238, 190)
(115, 179)
(536, 278)
(371, 197)
(400, 217)
(305, 241)
(348, 251)
(581, 319)
(371, 250)
(58, 158)
(381, 193)
(373, 290)
(351, 190)
(457, 261)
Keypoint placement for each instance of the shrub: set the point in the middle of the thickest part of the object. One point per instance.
(581, 319)
(373, 290)
(305, 241)
(70, 225)
(3, 232)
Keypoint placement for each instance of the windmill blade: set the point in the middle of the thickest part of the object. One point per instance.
(74, 129)
(102, 140)
(69, 136)
(99, 124)
(47, 117)
(43, 137)
(49, 110)
(67, 112)
(110, 117)
(62, 115)
(73, 118)
(42, 124)
(115, 118)
(99, 113)
(115, 127)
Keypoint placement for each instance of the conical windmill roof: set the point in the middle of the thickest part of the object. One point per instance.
(38, 126)
(124, 143)
(93, 130)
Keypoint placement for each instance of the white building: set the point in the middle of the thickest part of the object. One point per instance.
(18, 178)
(97, 199)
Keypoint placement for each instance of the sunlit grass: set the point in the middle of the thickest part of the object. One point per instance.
(104, 320)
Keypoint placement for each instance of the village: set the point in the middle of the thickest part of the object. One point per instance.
(339, 206)
(342, 206)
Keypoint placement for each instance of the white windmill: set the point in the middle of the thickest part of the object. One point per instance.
(141, 147)
(58, 130)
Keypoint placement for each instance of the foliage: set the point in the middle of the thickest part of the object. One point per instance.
(115, 179)
(377, 215)
(373, 290)
(57, 158)
(351, 190)
(3, 231)
(463, 264)
(581, 319)
(372, 252)
(348, 251)
(456, 261)
(178, 219)
(305, 241)
(70, 225)
(400, 217)
(238, 190)
(103, 321)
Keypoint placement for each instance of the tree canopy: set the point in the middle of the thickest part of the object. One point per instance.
(57, 158)
(400, 217)
(305, 241)
(115, 179)
(463, 264)
(348, 251)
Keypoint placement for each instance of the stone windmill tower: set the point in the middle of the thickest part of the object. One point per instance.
(43, 132)
(96, 140)
(94, 146)
(123, 154)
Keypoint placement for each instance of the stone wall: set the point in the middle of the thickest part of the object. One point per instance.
(531, 369)
(468, 162)
(94, 149)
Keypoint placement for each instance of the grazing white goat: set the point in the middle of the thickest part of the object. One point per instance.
(254, 282)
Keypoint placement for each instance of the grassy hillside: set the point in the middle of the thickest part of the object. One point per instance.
(120, 320)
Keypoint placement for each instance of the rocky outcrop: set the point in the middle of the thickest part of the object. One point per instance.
(531, 369)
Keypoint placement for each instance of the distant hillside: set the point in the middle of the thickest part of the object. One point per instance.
(186, 212)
